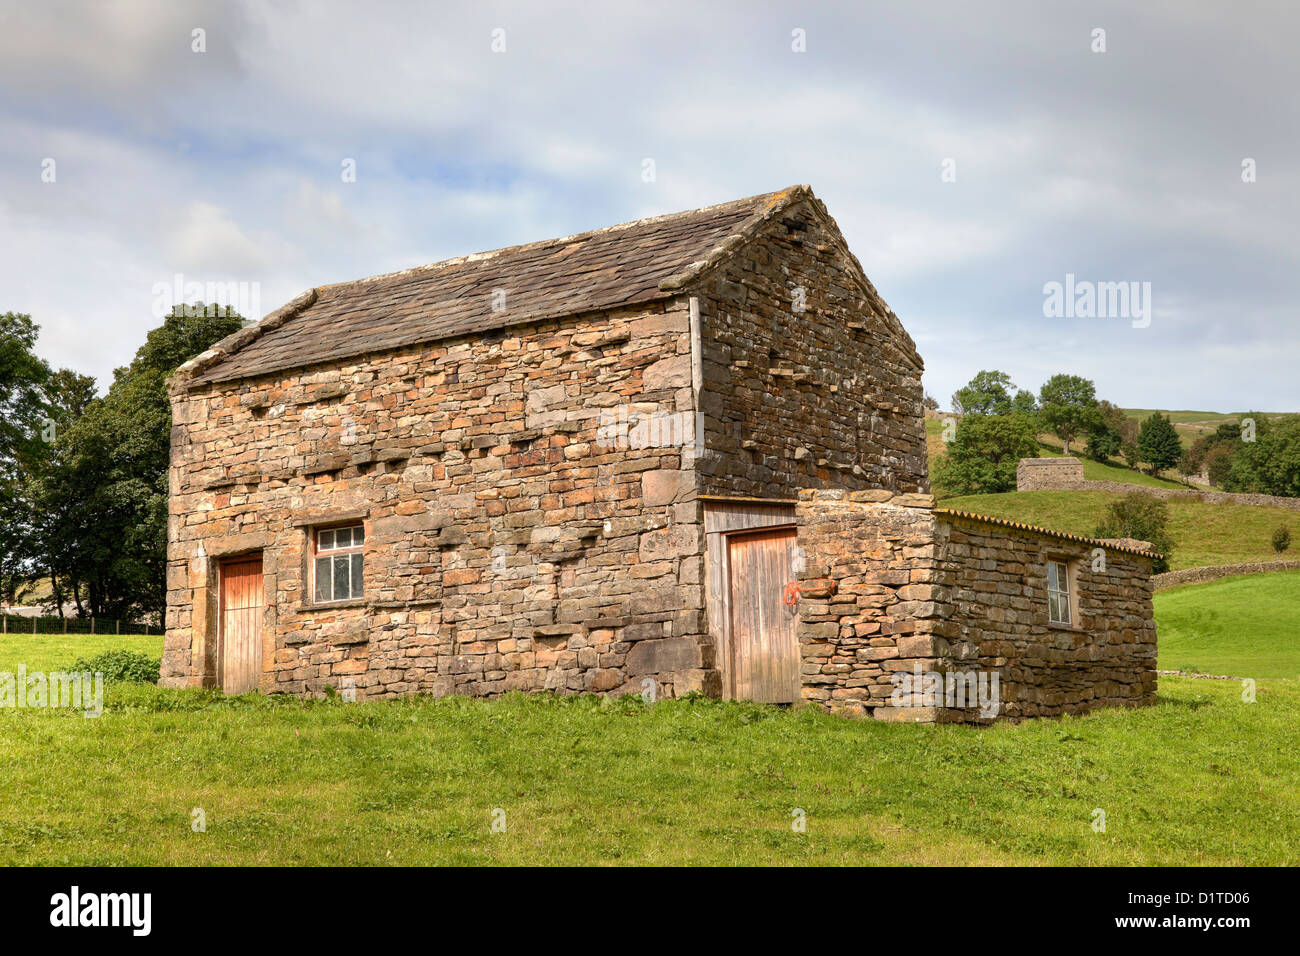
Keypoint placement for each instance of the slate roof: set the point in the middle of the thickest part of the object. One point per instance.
(628, 264)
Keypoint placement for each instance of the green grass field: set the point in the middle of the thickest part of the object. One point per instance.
(1201, 778)
(1204, 534)
(1246, 626)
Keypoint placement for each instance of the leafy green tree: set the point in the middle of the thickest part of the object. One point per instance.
(988, 393)
(1141, 516)
(104, 499)
(22, 374)
(982, 457)
(1159, 444)
(1107, 435)
(1025, 403)
(1068, 407)
(22, 412)
(1213, 453)
(1270, 465)
(1281, 539)
(1218, 464)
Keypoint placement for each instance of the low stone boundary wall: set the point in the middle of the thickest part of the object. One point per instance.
(1057, 476)
(1212, 573)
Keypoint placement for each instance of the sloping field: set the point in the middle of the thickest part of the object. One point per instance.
(1203, 534)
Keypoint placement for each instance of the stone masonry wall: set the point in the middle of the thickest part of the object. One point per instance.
(919, 590)
(521, 531)
(1172, 579)
(809, 379)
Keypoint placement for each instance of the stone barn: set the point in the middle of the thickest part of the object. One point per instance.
(682, 454)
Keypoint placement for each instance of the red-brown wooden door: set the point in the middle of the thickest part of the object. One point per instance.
(240, 646)
(764, 645)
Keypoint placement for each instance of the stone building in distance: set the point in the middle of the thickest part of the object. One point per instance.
(680, 454)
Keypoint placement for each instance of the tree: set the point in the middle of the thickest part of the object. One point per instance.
(1213, 453)
(22, 413)
(67, 397)
(1218, 464)
(983, 455)
(1109, 432)
(1159, 444)
(1141, 516)
(1281, 539)
(930, 402)
(1025, 403)
(1270, 465)
(1068, 407)
(21, 375)
(103, 501)
(988, 393)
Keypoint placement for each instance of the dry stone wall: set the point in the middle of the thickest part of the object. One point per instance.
(531, 520)
(1172, 579)
(914, 591)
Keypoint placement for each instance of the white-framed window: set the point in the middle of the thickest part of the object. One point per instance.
(338, 566)
(1058, 592)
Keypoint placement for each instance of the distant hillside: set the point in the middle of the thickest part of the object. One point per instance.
(1204, 534)
(1191, 425)
(1049, 446)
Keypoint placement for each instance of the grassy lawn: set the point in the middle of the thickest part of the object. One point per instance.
(1201, 778)
(1203, 534)
(1247, 626)
(47, 652)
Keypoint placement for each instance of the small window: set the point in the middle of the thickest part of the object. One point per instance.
(1058, 592)
(339, 566)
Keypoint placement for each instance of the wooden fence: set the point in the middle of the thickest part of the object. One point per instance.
(53, 624)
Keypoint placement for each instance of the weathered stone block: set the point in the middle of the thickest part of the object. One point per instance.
(662, 656)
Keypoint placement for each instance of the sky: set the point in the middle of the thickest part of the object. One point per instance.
(973, 154)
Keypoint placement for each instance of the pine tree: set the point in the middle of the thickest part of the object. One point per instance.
(1159, 444)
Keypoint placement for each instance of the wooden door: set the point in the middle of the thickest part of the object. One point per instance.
(764, 646)
(241, 624)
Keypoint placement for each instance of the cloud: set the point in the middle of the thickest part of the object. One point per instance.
(206, 239)
(1117, 166)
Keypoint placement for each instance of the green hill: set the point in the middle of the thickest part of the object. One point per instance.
(1191, 425)
(1203, 534)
